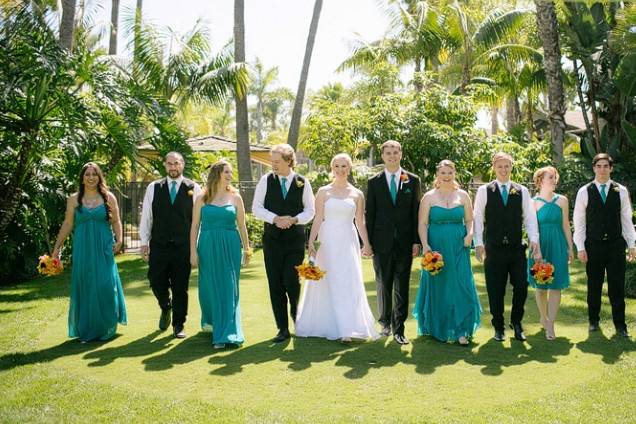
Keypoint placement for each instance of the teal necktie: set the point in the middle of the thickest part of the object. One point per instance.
(393, 187)
(173, 191)
(504, 194)
(603, 192)
(283, 187)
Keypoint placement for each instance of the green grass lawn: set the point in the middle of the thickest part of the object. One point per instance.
(144, 375)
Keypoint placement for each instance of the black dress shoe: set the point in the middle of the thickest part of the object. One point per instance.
(622, 332)
(518, 332)
(500, 335)
(179, 332)
(165, 319)
(386, 331)
(401, 339)
(281, 336)
(593, 326)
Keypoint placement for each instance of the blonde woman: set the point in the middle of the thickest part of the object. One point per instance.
(556, 245)
(217, 234)
(336, 307)
(447, 306)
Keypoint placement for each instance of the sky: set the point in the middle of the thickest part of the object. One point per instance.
(275, 30)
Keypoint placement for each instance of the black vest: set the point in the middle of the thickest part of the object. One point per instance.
(603, 220)
(291, 205)
(503, 223)
(171, 221)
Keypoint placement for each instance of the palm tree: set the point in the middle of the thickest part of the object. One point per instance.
(262, 79)
(415, 38)
(114, 26)
(67, 24)
(549, 33)
(294, 127)
(243, 157)
(274, 104)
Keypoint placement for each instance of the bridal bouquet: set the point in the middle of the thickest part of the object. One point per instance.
(49, 266)
(433, 262)
(309, 270)
(542, 272)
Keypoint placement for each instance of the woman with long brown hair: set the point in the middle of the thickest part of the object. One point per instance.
(447, 306)
(97, 302)
(218, 231)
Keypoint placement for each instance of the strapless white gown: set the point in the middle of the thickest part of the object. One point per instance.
(336, 306)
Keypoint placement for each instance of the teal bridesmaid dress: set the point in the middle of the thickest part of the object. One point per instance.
(97, 302)
(447, 305)
(219, 250)
(554, 246)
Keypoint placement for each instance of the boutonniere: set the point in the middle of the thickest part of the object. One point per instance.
(617, 189)
(190, 193)
(493, 188)
(404, 179)
(514, 191)
(299, 183)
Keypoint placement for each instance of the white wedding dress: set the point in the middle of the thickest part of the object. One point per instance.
(336, 307)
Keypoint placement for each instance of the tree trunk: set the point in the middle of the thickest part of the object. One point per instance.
(137, 29)
(242, 125)
(417, 78)
(549, 34)
(494, 119)
(294, 127)
(512, 112)
(579, 91)
(67, 24)
(259, 120)
(529, 118)
(114, 26)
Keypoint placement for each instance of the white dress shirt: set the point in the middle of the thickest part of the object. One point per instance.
(580, 205)
(145, 225)
(258, 204)
(397, 174)
(529, 213)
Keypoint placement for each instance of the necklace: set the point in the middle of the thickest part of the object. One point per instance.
(91, 201)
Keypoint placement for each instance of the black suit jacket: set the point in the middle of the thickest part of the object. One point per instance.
(393, 226)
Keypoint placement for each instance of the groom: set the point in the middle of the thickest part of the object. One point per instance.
(164, 231)
(284, 200)
(502, 209)
(393, 200)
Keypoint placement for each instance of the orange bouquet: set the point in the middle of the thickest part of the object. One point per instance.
(433, 262)
(49, 265)
(309, 270)
(542, 272)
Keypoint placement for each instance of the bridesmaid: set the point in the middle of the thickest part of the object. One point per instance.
(215, 246)
(97, 299)
(447, 305)
(556, 245)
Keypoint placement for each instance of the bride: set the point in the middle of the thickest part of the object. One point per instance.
(336, 307)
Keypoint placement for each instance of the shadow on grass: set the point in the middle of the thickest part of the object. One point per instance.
(144, 346)
(610, 349)
(187, 350)
(258, 353)
(68, 348)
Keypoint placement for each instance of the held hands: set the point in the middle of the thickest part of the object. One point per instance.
(480, 253)
(284, 222)
(145, 253)
(582, 254)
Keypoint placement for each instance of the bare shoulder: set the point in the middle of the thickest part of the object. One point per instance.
(562, 200)
(463, 194)
(236, 197)
(111, 196)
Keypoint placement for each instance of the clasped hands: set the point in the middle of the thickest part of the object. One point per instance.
(285, 222)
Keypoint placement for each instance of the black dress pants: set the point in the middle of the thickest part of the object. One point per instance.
(392, 275)
(602, 257)
(502, 262)
(281, 258)
(169, 271)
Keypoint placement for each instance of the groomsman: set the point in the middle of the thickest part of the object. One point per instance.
(602, 229)
(392, 205)
(284, 200)
(502, 209)
(164, 231)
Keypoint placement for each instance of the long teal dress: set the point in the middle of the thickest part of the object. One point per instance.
(220, 255)
(447, 305)
(97, 302)
(554, 246)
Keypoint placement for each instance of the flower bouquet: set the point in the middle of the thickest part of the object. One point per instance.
(50, 266)
(433, 262)
(542, 272)
(309, 270)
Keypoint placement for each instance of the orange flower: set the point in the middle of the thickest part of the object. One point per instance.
(542, 272)
(49, 266)
(432, 262)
